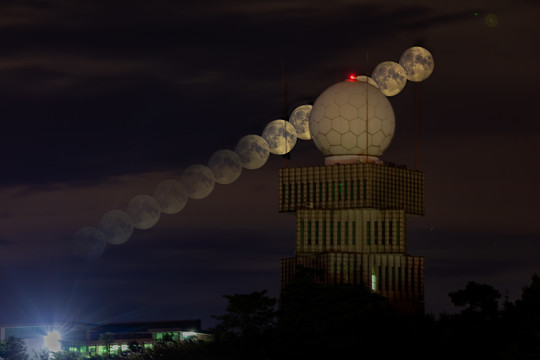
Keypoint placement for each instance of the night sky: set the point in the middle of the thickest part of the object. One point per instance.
(101, 101)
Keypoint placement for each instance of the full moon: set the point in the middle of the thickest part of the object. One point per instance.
(300, 120)
(226, 166)
(144, 211)
(116, 226)
(280, 136)
(417, 62)
(199, 181)
(171, 195)
(253, 151)
(89, 243)
(390, 77)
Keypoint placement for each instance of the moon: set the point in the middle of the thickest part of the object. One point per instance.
(144, 211)
(116, 226)
(390, 77)
(280, 136)
(171, 196)
(89, 243)
(226, 166)
(253, 151)
(369, 80)
(417, 62)
(199, 181)
(300, 121)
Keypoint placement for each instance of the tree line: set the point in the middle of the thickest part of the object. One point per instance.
(314, 321)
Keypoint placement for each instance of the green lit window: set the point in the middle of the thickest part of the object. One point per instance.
(340, 189)
(373, 279)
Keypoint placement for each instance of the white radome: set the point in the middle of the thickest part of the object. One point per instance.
(280, 136)
(338, 121)
(417, 62)
(300, 120)
(391, 77)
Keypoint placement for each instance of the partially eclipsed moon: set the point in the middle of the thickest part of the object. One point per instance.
(253, 151)
(144, 211)
(89, 243)
(300, 120)
(171, 196)
(199, 181)
(391, 77)
(280, 136)
(417, 62)
(226, 166)
(369, 80)
(116, 226)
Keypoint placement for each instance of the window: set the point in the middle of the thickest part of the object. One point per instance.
(309, 233)
(383, 232)
(376, 231)
(368, 232)
(373, 279)
(316, 233)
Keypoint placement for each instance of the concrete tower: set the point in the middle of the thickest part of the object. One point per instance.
(352, 212)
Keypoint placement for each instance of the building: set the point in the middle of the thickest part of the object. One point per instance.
(88, 339)
(351, 212)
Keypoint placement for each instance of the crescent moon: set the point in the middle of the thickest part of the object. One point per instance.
(300, 120)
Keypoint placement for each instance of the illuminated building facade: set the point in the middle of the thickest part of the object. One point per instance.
(351, 227)
(87, 340)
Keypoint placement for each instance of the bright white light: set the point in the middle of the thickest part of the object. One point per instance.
(52, 341)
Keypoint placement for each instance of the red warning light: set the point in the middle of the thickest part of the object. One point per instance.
(352, 77)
